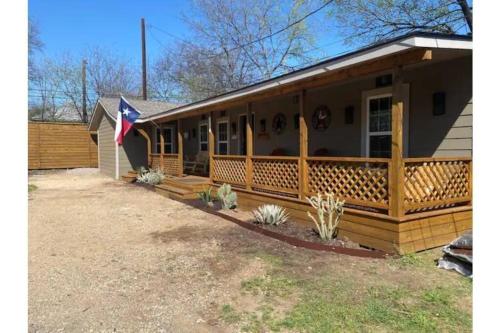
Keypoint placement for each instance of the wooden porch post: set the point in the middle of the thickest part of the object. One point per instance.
(162, 148)
(148, 140)
(396, 176)
(303, 145)
(249, 148)
(211, 146)
(180, 148)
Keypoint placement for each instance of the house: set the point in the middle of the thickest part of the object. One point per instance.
(388, 128)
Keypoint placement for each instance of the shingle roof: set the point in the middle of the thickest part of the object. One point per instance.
(147, 108)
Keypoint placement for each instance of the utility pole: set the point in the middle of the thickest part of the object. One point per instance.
(84, 91)
(467, 12)
(144, 77)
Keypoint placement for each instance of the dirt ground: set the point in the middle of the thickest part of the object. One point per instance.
(106, 256)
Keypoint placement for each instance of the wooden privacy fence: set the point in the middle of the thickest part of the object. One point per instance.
(169, 163)
(61, 145)
(429, 183)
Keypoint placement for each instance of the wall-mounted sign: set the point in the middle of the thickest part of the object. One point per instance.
(321, 118)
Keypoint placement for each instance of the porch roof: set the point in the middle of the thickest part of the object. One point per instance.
(156, 110)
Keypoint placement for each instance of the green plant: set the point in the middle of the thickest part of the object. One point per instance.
(270, 214)
(206, 196)
(151, 177)
(332, 208)
(31, 187)
(141, 170)
(227, 196)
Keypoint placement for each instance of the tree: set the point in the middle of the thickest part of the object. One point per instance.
(236, 45)
(35, 44)
(365, 21)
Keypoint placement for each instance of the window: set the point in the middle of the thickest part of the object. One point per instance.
(222, 137)
(203, 136)
(168, 134)
(379, 126)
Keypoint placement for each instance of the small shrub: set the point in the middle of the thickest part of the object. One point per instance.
(227, 196)
(332, 208)
(151, 177)
(270, 214)
(206, 197)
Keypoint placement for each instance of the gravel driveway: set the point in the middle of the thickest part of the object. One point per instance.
(109, 256)
(106, 256)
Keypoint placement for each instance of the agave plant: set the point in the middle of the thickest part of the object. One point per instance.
(270, 214)
(151, 177)
(206, 196)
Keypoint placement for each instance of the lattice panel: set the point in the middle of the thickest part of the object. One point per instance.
(230, 170)
(440, 182)
(171, 164)
(356, 181)
(280, 175)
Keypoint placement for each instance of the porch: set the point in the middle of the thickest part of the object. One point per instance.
(397, 198)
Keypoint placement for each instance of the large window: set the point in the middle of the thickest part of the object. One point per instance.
(379, 126)
(222, 137)
(168, 134)
(204, 136)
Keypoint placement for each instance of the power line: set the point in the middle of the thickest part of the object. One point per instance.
(272, 34)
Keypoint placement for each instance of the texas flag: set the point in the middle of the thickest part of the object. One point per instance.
(126, 117)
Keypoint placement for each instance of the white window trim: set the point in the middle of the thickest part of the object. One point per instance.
(157, 143)
(368, 133)
(221, 121)
(381, 92)
(200, 124)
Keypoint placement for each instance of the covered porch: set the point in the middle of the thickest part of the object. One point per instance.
(357, 133)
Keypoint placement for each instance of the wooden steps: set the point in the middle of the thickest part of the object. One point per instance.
(130, 177)
(182, 187)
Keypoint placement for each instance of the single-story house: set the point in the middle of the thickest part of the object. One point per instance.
(388, 128)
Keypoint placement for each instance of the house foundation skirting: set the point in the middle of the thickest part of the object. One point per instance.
(412, 233)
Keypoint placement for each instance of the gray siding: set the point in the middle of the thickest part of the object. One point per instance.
(425, 135)
(133, 153)
(449, 134)
(106, 148)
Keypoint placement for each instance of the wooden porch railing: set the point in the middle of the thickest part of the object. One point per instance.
(358, 181)
(432, 183)
(429, 183)
(169, 163)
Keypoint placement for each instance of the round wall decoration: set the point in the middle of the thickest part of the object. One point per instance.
(321, 118)
(279, 123)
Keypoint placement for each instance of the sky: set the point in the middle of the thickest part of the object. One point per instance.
(74, 25)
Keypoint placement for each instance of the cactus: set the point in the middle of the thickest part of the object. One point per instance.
(332, 208)
(270, 214)
(206, 196)
(227, 197)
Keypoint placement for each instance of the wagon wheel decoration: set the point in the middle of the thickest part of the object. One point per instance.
(321, 118)
(279, 123)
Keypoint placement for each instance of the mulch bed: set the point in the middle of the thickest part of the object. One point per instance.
(289, 232)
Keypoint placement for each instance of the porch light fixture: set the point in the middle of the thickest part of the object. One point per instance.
(349, 115)
(438, 103)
